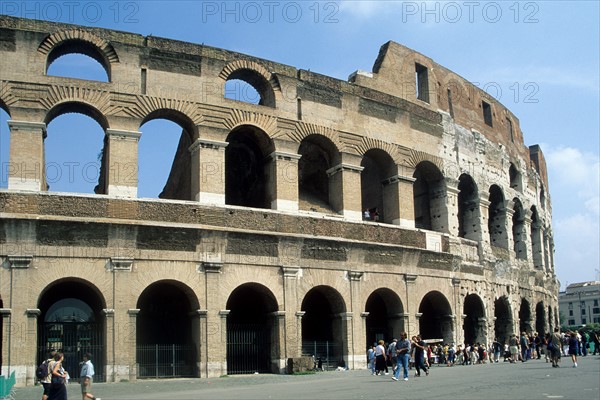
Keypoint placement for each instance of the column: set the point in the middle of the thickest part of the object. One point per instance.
(293, 336)
(221, 348)
(30, 349)
(357, 355)
(345, 188)
(110, 340)
(484, 210)
(27, 164)
(537, 246)
(523, 249)
(121, 163)
(202, 343)
(282, 170)
(299, 315)
(7, 361)
(131, 343)
(445, 204)
(398, 201)
(278, 343)
(347, 340)
(411, 325)
(208, 171)
(216, 322)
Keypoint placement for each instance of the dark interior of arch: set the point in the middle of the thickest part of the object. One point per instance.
(71, 289)
(245, 175)
(435, 320)
(383, 321)
(258, 82)
(468, 203)
(540, 318)
(313, 182)
(77, 46)
(513, 175)
(428, 178)
(164, 316)
(503, 324)
(320, 304)
(524, 317)
(496, 216)
(473, 326)
(250, 304)
(377, 167)
(518, 219)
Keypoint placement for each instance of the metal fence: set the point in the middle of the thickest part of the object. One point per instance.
(166, 361)
(327, 354)
(248, 348)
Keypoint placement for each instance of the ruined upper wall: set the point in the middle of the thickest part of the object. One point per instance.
(382, 104)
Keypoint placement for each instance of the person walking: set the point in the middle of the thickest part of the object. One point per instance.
(556, 351)
(574, 348)
(420, 348)
(58, 388)
(86, 377)
(402, 356)
(380, 358)
(48, 378)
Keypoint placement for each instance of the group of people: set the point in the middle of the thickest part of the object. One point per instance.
(55, 382)
(402, 354)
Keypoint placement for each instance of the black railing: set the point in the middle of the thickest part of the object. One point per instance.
(166, 361)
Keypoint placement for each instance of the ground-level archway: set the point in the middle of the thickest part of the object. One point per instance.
(324, 326)
(252, 335)
(436, 319)
(525, 317)
(71, 321)
(475, 321)
(540, 318)
(503, 325)
(166, 347)
(386, 319)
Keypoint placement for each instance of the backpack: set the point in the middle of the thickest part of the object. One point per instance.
(42, 371)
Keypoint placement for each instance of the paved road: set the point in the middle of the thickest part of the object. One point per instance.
(531, 380)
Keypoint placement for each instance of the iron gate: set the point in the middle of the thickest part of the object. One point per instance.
(328, 352)
(248, 348)
(74, 339)
(166, 361)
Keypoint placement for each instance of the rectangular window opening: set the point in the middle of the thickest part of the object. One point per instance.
(450, 108)
(143, 88)
(511, 133)
(422, 82)
(487, 112)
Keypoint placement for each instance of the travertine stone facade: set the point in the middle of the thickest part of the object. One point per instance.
(261, 227)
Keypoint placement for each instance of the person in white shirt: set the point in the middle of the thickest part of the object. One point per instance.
(86, 377)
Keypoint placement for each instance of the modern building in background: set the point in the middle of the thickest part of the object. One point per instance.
(314, 221)
(579, 304)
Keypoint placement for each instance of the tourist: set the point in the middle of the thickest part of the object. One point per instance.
(574, 348)
(58, 388)
(402, 356)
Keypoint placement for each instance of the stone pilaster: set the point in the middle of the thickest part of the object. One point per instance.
(208, 171)
(399, 207)
(131, 343)
(293, 335)
(412, 325)
(122, 162)
(110, 348)
(27, 163)
(278, 342)
(357, 353)
(345, 189)
(30, 337)
(283, 172)
(445, 202)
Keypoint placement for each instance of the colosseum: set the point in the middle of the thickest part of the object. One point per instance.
(323, 217)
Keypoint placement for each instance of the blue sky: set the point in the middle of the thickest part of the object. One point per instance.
(539, 58)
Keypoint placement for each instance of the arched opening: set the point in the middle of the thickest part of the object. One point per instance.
(317, 155)
(536, 239)
(543, 198)
(4, 145)
(497, 218)
(386, 316)
(323, 326)
(503, 325)
(468, 208)
(515, 178)
(374, 179)
(525, 317)
(164, 158)
(519, 231)
(249, 86)
(475, 321)
(252, 334)
(540, 318)
(246, 168)
(71, 321)
(428, 190)
(550, 320)
(75, 149)
(166, 334)
(78, 59)
(435, 321)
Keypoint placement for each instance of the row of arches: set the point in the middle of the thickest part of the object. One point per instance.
(71, 318)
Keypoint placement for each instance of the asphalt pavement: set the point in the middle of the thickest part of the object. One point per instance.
(532, 380)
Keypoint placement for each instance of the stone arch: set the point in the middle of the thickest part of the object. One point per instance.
(165, 329)
(515, 178)
(436, 317)
(536, 239)
(256, 75)
(378, 170)
(428, 191)
(519, 232)
(475, 320)
(317, 155)
(503, 325)
(468, 208)
(324, 325)
(72, 321)
(540, 318)
(82, 42)
(525, 316)
(246, 180)
(386, 316)
(79, 107)
(252, 334)
(497, 217)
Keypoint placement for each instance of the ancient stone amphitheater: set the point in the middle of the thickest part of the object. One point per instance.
(261, 247)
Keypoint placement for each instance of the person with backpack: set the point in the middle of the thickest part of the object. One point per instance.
(44, 374)
(58, 388)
